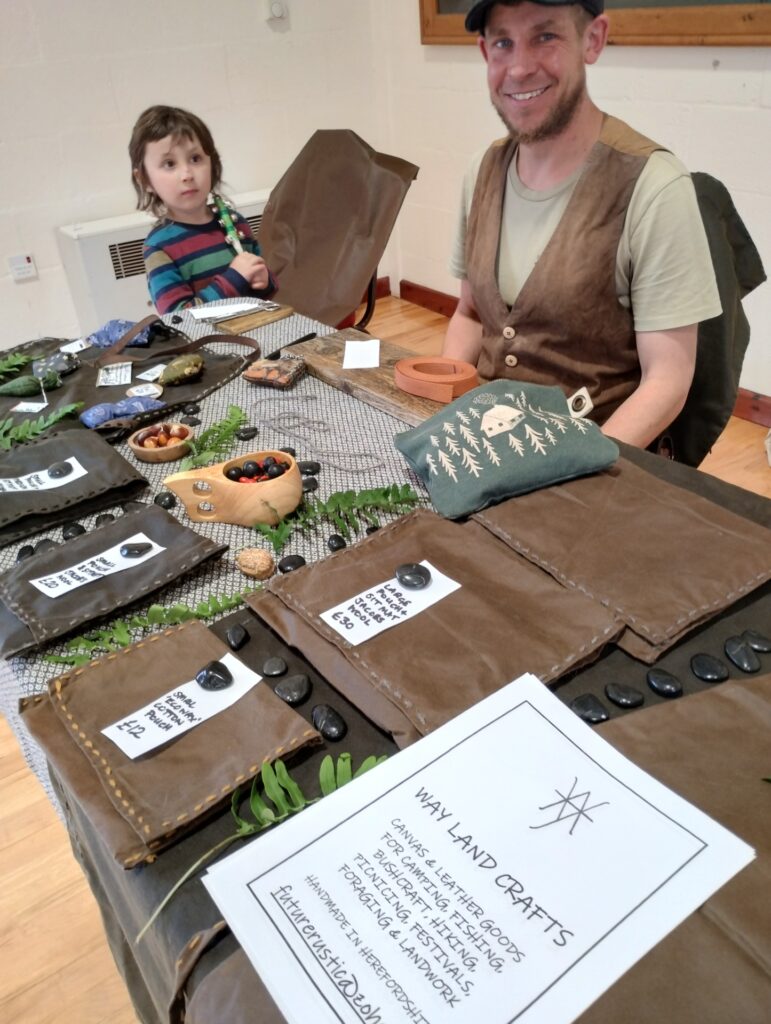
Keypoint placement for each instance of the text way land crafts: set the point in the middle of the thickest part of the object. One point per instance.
(416, 896)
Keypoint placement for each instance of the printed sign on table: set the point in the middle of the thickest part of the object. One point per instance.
(507, 867)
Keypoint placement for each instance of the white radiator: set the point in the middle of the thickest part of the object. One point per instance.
(105, 270)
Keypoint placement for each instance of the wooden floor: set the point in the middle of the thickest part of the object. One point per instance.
(55, 966)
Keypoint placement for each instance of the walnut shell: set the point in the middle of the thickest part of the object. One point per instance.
(256, 563)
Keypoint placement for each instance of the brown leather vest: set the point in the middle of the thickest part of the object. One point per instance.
(566, 326)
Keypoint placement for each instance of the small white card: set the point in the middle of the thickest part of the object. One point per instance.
(232, 309)
(114, 375)
(361, 355)
(41, 481)
(385, 605)
(508, 867)
(75, 346)
(153, 373)
(29, 407)
(178, 711)
(108, 562)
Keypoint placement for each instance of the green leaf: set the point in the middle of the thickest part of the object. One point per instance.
(343, 770)
(155, 614)
(243, 827)
(296, 797)
(263, 815)
(327, 776)
(121, 633)
(273, 790)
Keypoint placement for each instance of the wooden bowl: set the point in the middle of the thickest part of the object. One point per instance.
(209, 497)
(165, 454)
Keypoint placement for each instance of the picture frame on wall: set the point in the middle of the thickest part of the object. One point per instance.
(632, 23)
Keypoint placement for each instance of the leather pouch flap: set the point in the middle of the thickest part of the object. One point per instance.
(29, 617)
(172, 785)
(507, 617)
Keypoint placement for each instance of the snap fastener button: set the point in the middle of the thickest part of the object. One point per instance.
(511, 360)
(509, 332)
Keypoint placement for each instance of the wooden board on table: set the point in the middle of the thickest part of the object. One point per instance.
(251, 321)
(324, 359)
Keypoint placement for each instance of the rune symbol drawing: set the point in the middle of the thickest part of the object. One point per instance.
(569, 808)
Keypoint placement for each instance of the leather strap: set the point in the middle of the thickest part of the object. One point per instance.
(435, 377)
(112, 355)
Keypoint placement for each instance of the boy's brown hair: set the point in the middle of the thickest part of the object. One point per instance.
(152, 126)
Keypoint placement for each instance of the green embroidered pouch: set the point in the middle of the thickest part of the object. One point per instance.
(501, 439)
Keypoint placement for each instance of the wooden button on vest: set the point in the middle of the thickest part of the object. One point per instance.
(511, 360)
(509, 332)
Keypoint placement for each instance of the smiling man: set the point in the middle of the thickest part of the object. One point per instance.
(581, 251)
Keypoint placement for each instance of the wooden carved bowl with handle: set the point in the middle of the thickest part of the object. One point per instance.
(209, 496)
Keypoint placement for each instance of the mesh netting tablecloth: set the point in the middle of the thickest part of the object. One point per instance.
(351, 440)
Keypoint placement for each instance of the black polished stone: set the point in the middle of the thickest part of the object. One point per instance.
(104, 518)
(234, 473)
(757, 641)
(214, 676)
(290, 563)
(274, 667)
(372, 529)
(251, 469)
(289, 451)
(27, 551)
(59, 470)
(191, 408)
(275, 470)
(308, 467)
(664, 683)
(190, 421)
(268, 461)
(336, 543)
(165, 499)
(72, 530)
(329, 722)
(413, 576)
(294, 690)
(246, 433)
(135, 550)
(46, 544)
(708, 668)
(310, 483)
(624, 696)
(237, 636)
(741, 654)
(133, 506)
(589, 708)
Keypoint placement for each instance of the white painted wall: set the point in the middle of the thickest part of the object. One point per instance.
(74, 75)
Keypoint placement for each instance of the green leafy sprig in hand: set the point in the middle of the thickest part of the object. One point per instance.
(281, 797)
(347, 511)
(215, 442)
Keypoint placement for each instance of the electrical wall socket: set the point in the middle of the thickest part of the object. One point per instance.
(22, 267)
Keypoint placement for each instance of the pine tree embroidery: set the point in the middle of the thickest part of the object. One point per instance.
(469, 438)
(490, 452)
(434, 440)
(470, 463)
(535, 440)
(452, 446)
(446, 464)
(549, 436)
(516, 444)
(475, 413)
(449, 428)
(462, 417)
(431, 464)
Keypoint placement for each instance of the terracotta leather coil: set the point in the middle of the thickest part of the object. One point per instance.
(435, 377)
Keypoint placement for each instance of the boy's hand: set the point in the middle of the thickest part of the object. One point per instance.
(253, 268)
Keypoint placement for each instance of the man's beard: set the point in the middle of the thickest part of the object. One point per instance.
(554, 125)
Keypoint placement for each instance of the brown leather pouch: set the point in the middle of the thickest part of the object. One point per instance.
(29, 617)
(275, 373)
(508, 617)
(664, 560)
(142, 805)
(80, 386)
(25, 510)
